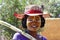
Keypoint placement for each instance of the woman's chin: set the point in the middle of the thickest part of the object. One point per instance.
(33, 30)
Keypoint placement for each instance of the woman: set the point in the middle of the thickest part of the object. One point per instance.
(32, 21)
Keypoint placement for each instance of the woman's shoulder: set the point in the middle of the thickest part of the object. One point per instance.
(19, 36)
(42, 37)
(16, 35)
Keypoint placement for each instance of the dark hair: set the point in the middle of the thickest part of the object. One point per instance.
(25, 19)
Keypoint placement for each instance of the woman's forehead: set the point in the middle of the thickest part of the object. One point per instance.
(34, 17)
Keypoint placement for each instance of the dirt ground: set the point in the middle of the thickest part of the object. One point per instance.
(52, 29)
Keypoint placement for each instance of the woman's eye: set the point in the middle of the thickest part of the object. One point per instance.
(30, 20)
(38, 20)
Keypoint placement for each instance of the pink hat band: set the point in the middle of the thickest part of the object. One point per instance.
(34, 12)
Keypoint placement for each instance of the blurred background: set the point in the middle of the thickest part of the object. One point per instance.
(51, 11)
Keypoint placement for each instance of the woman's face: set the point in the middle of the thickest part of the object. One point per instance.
(33, 23)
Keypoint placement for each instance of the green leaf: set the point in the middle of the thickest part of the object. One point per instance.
(0, 1)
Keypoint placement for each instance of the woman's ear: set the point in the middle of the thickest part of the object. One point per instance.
(19, 16)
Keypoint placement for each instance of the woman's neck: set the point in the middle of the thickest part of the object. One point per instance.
(33, 33)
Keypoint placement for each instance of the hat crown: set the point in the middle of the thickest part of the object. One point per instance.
(33, 9)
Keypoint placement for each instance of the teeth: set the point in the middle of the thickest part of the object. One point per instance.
(33, 26)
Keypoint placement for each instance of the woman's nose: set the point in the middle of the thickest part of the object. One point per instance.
(34, 22)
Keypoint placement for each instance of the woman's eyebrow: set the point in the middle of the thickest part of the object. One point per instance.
(30, 17)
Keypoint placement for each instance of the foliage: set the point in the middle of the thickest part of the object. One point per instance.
(54, 7)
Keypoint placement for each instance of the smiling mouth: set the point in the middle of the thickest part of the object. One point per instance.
(34, 26)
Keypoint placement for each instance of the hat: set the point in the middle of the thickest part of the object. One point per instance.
(33, 10)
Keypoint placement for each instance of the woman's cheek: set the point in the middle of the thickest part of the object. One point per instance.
(28, 24)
